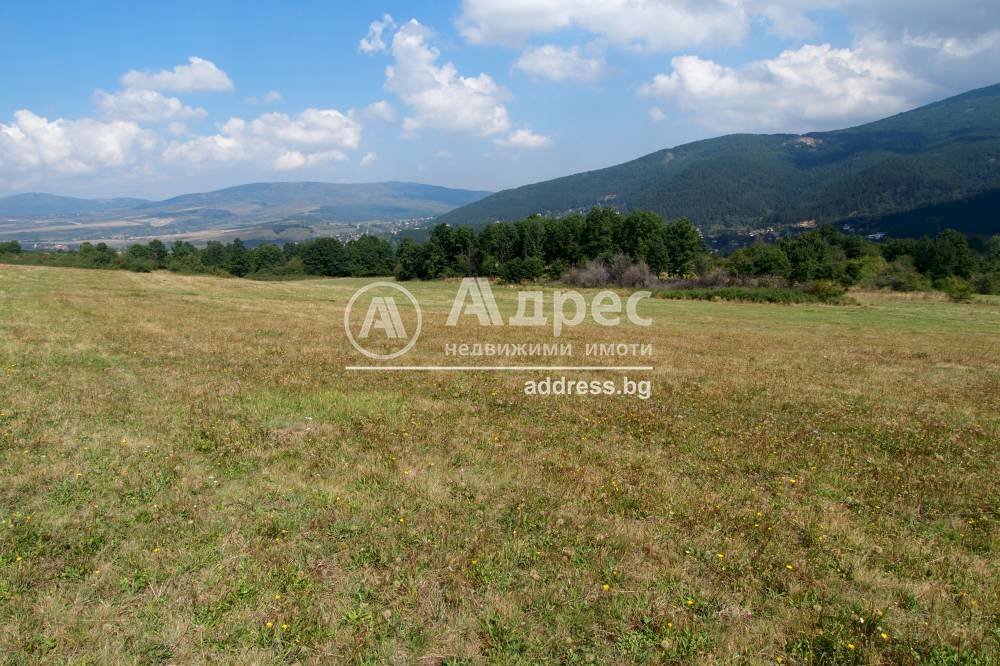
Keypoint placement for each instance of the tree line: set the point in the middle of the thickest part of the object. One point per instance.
(948, 261)
(538, 248)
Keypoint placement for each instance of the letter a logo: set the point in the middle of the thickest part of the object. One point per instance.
(381, 329)
(384, 315)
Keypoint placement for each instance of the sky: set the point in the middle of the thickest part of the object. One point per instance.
(104, 99)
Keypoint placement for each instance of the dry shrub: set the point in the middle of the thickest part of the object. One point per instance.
(638, 276)
(594, 274)
(619, 271)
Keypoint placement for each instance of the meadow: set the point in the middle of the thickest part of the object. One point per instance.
(189, 474)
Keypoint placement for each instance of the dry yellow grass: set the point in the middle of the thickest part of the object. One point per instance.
(189, 474)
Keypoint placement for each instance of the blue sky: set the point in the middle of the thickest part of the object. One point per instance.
(157, 99)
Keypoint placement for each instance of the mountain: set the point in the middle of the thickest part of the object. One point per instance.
(345, 202)
(944, 152)
(255, 212)
(36, 204)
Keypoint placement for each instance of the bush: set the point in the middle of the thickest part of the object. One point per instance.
(617, 265)
(594, 274)
(786, 295)
(957, 289)
(137, 264)
(759, 260)
(825, 290)
(901, 275)
(638, 276)
(987, 283)
(522, 270)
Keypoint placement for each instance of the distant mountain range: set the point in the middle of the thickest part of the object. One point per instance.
(256, 212)
(911, 172)
(38, 204)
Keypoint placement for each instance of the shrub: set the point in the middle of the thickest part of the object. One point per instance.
(825, 290)
(987, 283)
(957, 289)
(901, 275)
(523, 269)
(785, 295)
(759, 260)
(638, 276)
(617, 265)
(137, 264)
(594, 274)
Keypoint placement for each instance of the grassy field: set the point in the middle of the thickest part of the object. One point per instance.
(190, 475)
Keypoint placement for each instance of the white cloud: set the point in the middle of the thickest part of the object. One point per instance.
(558, 64)
(375, 42)
(813, 87)
(955, 47)
(311, 128)
(523, 138)
(312, 137)
(198, 74)
(381, 111)
(295, 159)
(789, 18)
(443, 154)
(657, 25)
(438, 96)
(369, 159)
(82, 146)
(144, 106)
(272, 97)
(656, 114)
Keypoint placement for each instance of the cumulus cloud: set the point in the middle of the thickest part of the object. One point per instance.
(813, 87)
(144, 106)
(369, 159)
(656, 25)
(82, 146)
(375, 42)
(118, 145)
(296, 159)
(381, 111)
(312, 137)
(656, 114)
(558, 64)
(438, 96)
(198, 75)
(523, 138)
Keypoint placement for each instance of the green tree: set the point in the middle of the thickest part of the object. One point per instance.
(369, 256)
(158, 252)
(683, 246)
(237, 258)
(759, 260)
(597, 234)
(214, 255)
(266, 258)
(946, 255)
(324, 256)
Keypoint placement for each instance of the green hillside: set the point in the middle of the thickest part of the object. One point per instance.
(938, 153)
